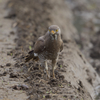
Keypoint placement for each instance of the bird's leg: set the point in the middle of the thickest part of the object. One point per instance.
(53, 67)
(41, 66)
(46, 67)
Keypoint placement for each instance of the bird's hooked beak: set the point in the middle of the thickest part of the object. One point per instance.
(53, 32)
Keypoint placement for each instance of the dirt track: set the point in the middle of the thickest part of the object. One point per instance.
(31, 20)
(7, 70)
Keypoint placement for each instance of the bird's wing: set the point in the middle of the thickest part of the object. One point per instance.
(61, 45)
(29, 56)
(38, 48)
(39, 45)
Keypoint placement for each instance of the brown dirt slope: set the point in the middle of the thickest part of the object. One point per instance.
(76, 79)
(7, 69)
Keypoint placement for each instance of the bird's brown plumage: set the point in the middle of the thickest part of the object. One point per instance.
(47, 47)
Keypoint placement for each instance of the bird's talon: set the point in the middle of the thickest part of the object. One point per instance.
(48, 76)
(54, 77)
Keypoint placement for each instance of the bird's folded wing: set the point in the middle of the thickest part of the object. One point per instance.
(39, 45)
(61, 45)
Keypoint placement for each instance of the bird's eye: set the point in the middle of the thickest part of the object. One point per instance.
(56, 30)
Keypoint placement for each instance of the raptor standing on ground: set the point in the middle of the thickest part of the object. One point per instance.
(47, 47)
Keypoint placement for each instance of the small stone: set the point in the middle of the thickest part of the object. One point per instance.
(12, 33)
(14, 75)
(1, 66)
(8, 64)
(20, 87)
(5, 73)
(48, 96)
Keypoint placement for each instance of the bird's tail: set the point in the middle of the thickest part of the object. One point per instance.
(31, 56)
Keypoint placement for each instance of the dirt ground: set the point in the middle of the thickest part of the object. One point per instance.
(87, 21)
(8, 73)
(29, 20)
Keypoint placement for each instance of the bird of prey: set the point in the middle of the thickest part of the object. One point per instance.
(47, 47)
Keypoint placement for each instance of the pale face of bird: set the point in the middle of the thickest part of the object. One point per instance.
(54, 31)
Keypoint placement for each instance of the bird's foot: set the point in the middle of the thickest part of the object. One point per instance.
(48, 76)
(54, 77)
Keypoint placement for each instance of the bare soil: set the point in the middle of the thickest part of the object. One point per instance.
(8, 74)
(87, 21)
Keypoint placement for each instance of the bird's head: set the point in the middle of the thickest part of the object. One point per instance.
(54, 31)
